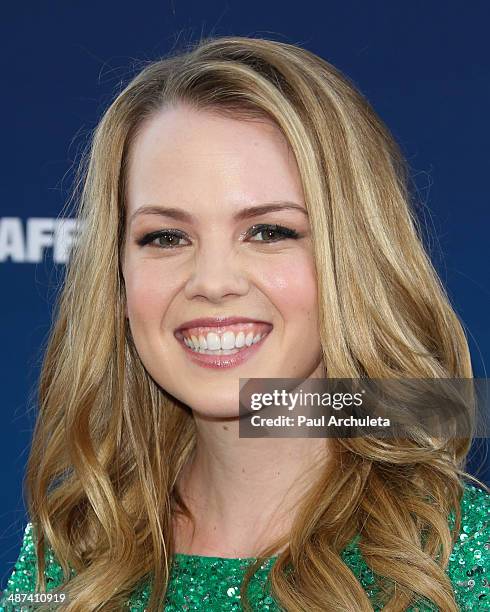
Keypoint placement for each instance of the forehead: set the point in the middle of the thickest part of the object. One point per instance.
(206, 162)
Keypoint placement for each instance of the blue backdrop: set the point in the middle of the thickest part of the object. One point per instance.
(425, 67)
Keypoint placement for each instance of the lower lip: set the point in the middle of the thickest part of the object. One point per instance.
(219, 362)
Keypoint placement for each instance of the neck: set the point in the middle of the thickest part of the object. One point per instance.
(243, 492)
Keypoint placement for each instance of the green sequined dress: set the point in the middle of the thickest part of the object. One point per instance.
(212, 584)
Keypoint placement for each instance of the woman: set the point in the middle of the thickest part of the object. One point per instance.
(245, 214)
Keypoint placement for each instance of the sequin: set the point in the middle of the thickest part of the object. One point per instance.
(211, 584)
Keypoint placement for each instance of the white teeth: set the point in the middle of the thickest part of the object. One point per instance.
(214, 342)
(227, 341)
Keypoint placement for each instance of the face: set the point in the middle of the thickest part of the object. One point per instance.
(192, 252)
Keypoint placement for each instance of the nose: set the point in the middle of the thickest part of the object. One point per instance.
(216, 274)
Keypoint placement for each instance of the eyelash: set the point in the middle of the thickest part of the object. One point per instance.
(285, 232)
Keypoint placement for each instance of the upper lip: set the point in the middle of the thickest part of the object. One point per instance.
(217, 322)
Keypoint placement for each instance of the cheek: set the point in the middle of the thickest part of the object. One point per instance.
(148, 291)
(292, 285)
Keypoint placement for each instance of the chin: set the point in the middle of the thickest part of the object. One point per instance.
(211, 412)
(208, 400)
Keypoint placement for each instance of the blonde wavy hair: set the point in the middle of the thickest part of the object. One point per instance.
(109, 443)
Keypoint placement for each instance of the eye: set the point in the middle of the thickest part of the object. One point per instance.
(277, 230)
(169, 238)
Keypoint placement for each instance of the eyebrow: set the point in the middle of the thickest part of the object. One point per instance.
(246, 213)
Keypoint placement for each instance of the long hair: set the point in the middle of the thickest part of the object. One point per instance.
(109, 443)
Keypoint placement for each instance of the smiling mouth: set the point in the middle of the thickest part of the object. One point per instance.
(227, 340)
(222, 358)
(229, 343)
